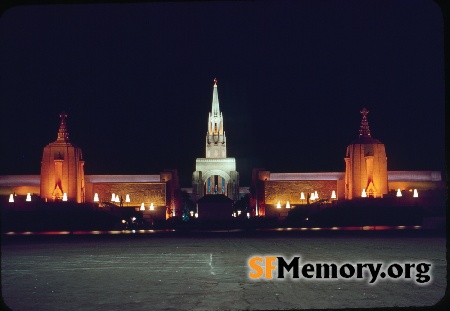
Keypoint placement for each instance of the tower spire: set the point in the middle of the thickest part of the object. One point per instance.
(364, 130)
(63, 134)
(215, 111)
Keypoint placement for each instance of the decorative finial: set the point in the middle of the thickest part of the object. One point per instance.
(364, 130)
(63, 134)
(215, 82)
(364, 112)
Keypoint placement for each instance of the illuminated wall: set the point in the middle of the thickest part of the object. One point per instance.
(138, 193)
(284, 191)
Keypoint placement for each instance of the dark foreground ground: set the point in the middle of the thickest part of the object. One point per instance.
(208, 271)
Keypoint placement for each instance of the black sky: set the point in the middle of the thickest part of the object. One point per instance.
(136, 81)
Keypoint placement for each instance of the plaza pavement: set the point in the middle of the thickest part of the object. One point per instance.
(207, 271)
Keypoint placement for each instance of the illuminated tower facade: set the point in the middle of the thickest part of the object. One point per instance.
(365, 165)
(215, 174)
(62, 168)
(216, 144)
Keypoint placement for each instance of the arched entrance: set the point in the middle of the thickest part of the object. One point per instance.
(216, 182)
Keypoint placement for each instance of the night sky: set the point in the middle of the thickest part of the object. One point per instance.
(136, 81)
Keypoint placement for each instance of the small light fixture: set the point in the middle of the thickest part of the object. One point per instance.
(333, 194)
(113, 198)
(127, 198)
(316, 196)
(288, 205)
(173, 212)
(416, 194)
(64, 197)
(399, 193)
(196, 215)
(152, 207)
(363, 194)
(117, 199)
(191, 213)
(11, 198)
(142, 207)
(239, 213)
(28, 197)
(312, 197)
(302, 196)
(278, 204)
(96, 197)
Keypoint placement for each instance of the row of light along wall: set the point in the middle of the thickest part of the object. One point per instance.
(399, 193)
(312, 197)
(28, 199)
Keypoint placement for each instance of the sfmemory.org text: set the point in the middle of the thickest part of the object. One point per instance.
(265, 267)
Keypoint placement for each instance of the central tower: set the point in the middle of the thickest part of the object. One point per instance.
(215, 174)
(216, 145)
(365, 165)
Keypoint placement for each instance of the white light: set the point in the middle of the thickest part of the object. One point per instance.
(278, 204)
(415, 195)
(64, 197)
(142, 207)
(302, 196)
(196, 215)
(173, 213)
(117, 199)
(363, 194)
(248, 215)
(192, 213)
(96, 197)
(333, 194)
(239, 213)
(152, 208)
(234, 214)
(113, 198)
(133, 219)
(313, 197)
(28, 197)
(399, 193)
(11, 198)
(288, 205)
(127, 198)
(316, 196)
